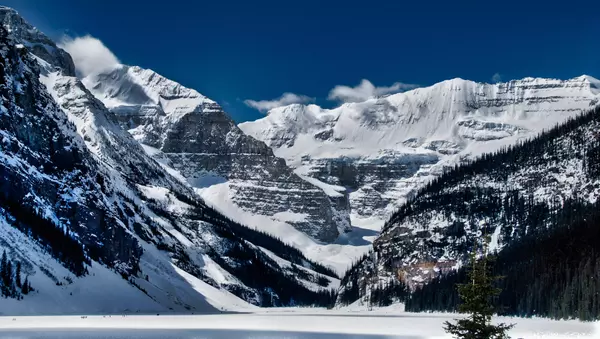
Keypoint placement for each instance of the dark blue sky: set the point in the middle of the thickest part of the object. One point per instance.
(237, 50)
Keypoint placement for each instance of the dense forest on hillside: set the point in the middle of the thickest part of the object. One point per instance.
(552, 274)
(545, 151)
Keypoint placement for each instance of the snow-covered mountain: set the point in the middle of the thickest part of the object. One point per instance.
(100, 226)
(383, 149)
(125, 191)
(522, 193)
(194, 136)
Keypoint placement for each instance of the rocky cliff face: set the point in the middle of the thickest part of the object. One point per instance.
(48, 173)
(383, 149)
(205, 146)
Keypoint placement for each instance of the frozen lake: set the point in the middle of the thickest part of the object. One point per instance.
(177, 334)
(292, 324)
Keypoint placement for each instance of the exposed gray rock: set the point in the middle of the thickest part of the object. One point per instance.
(46, 167)
(370, 181)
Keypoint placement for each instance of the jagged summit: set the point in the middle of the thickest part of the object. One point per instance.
(42, 46)
(157, 110)
(594, 83)
(125, 87)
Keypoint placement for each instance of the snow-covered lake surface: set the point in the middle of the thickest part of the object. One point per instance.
(277, 323)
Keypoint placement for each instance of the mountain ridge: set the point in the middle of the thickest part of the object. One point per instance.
(354, 145)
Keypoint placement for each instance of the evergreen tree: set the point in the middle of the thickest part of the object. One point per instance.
(18, 275)
(3, 263)
(26, 286)
(477, 296)
(8, 280)
(4, 273)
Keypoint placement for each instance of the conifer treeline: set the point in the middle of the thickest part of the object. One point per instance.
(256, 237)
(11, 283)
(553, 274)
(260, 271)
(55, 239)
(384, 294)
(500, 164)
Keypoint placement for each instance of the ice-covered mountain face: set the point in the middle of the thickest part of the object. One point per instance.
(383, 149)
(192, 134)
(99, 226)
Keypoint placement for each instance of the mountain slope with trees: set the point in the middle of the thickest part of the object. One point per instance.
(562, 263)
(520, 196)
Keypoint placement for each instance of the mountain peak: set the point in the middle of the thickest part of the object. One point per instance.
(37, 42)
(8, 10)
(588, 78)
(124, 87)
(593, 83)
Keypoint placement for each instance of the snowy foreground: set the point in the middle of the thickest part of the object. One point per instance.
(277, 323)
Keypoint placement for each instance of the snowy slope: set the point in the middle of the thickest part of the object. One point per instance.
(383, 149)
(130, 88)
(450, 111)
(218, 193)
(101, 291)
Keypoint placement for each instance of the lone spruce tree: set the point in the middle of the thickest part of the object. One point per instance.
(477, 296)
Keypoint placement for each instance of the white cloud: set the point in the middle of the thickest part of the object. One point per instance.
(365, 90)
(284, 100)
(496, 77)
(89, 54)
